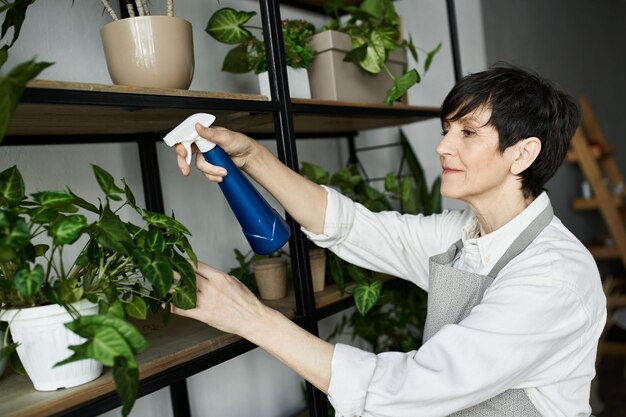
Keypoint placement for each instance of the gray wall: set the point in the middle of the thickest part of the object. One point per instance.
(579, 45)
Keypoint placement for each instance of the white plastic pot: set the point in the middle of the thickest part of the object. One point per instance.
(43, 341)
(298, 79)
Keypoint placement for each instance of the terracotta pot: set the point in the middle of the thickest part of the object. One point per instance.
(149, 51)
(317, 257)
(43, 341)
(271, 278)
(333, 79)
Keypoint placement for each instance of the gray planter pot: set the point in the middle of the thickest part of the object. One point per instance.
(333, 79)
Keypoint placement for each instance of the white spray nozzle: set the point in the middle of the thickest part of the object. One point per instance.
(186, 134)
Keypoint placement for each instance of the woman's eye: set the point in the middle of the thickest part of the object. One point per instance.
(467, 132)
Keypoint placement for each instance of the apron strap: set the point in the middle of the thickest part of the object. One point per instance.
(524, 239)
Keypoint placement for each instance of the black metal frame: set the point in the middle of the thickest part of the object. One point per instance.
(282, 109)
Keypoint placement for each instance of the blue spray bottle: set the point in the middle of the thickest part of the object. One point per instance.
(264, 228)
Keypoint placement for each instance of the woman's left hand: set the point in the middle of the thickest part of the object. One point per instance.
(223, 302)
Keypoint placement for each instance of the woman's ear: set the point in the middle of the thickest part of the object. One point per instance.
(527, 151)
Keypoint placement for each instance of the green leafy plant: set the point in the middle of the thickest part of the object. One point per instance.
(410, 191)
(13, 83)
(228, 26)
(125, 268)
(374, 28)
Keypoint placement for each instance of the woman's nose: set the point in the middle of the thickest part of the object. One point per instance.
(444, 147)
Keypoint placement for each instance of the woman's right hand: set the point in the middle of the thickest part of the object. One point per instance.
(238, 146)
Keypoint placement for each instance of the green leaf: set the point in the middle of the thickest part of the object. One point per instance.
(130, 197)
(6, 351)
(366, 295)
(157, 270)
(185, 297)
(43, 215)
(430, 56)
(236, 60)
(14, 17)
(116, 310)
(331, 7)
(375, 8)
(111, 232)
(126, 382)
(136, 308)
(4, 55)
(12, 187)
(411, 47)
(11, 87)
(67, 230)
(14, 231)
(27, 282)
(434, 199)
(184, 269)
(105, 345)
(337, 271)
(81, 202)
(107, 183)
(183, 244)
(405, 191)
(391, 182)
(163, 221)
(314, 173)
(401, 85)
(415, 167)
(376, 57)
(88, 327)
(154, 240)
(226, 26)
(356, 55)
(53, 199)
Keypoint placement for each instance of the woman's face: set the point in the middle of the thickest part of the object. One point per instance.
(474, 170)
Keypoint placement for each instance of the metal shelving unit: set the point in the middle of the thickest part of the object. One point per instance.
(73, 113)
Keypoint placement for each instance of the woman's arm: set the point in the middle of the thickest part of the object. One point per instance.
(304, 200)
(226, 304)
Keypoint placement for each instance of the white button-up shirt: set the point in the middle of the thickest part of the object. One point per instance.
(536, 328)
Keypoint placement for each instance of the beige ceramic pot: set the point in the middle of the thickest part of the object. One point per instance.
(149, 51)
(317, 257)
(271, 278)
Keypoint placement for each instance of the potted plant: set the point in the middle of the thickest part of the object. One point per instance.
(229, 26)
(371, 40)
(148, 51)
(265, 275)
(121, 270)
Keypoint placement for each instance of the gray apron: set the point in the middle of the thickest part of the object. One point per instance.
(452, 294)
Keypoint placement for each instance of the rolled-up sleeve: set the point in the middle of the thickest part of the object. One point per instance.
(387, 242)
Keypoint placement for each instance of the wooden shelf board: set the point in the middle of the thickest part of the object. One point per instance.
(151, 112)
(604, 252)
(596, 151)
(181, 341)
(585, 204)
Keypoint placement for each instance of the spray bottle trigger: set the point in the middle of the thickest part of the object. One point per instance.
(187, 146)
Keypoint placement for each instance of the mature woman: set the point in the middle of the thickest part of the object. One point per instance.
(515, 304)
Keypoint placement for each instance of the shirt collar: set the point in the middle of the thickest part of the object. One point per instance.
(492, 246)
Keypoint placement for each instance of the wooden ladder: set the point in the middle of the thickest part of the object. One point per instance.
(595, 156)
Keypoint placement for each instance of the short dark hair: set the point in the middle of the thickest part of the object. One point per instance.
(522, 105)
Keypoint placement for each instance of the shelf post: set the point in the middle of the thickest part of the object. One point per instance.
(283, 122)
